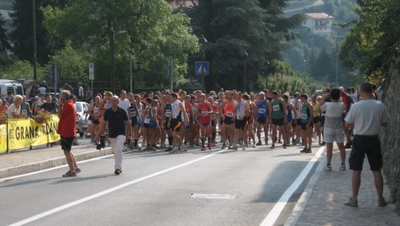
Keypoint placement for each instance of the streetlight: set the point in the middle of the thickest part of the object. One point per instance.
(245, 55)
(111, 34)
(203, 41)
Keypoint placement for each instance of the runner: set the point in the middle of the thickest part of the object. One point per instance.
(263, 107)
(306, 123)
(296, 102)
(176, 122)
(241, 110)
(153, 125)
(291, 116)
(228, 117)
(316, 117)
(214, 121)
(134, 118)
(189, 127)
(279, 118)
(250, 119)
(146, 123)
(196, 126)
(203, 111)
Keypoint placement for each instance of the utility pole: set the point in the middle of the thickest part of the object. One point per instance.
(34, 39)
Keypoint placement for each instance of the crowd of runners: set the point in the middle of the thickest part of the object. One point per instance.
(175, 122)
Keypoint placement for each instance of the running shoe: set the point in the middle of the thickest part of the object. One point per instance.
(342, 167)
(273, 146)
(117, 171)
(69, 174)
(209, 146)
(78, 170)
(203, 148)
(259, 143)
(328, 168)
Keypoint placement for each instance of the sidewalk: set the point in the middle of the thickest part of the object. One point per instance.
(321, 204)
(43, 157)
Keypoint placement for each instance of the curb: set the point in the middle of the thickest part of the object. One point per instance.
(23, 169)
(305, 196)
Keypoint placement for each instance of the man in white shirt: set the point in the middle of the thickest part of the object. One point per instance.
(14, 111)
(81, 93)
(367, 116)
(42, 90)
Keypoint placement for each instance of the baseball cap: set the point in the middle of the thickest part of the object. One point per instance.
(261, 93)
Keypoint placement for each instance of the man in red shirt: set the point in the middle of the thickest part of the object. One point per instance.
(67, 130)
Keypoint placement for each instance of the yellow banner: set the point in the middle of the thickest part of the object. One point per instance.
(23, 133)
(3, 138)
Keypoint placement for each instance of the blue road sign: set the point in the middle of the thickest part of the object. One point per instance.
(199, 68)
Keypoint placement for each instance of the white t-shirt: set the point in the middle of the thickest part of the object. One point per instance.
(333, 115)
(13, 109)
(367, 116)
(124, 104)
(297, 105)
(80, 91)
(42, 90)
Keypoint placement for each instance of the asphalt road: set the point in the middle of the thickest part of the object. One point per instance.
(219, 187)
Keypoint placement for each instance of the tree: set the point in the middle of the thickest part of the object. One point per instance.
(147, 29)
(4, 44)
(22, 33)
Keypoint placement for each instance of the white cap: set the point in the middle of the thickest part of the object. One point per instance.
(261, 93)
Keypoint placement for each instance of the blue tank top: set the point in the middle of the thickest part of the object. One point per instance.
(262, 109)
(289, 114)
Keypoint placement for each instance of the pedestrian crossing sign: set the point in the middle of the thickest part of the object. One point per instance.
(199, 68)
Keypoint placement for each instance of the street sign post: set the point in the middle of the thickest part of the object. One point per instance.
(91, 75)
(199, 68)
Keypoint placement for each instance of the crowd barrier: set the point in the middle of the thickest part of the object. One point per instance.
(25, 133)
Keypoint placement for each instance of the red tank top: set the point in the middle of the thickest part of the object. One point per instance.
(228, 110)
(204, 108)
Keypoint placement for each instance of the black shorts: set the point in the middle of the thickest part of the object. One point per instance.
(213, 122)
(228, 120)
(303, 125)
(146, 125)
(66, 143)
(316, 119)
(175, 125)
(278, 121)
(96, 122)
(322, 120)
(241, 123)
(364, 145)
(262, 120)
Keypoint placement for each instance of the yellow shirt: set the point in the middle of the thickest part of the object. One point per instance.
(315, 109)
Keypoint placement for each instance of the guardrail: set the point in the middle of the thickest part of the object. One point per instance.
(24, 133)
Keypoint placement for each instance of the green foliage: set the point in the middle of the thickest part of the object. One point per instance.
(374, 39)
(4, 44)
(21, 69)
(22, 33)
(147, 29)
(72, 62)
(6, 4)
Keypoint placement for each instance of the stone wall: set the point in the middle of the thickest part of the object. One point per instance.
(390, 136)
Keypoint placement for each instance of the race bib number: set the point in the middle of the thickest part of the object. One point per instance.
(167, 114)
(276, 108)
(304, 116)
(261, 110)
(315, 111)
(204, 113)
(147, 120)
(24, 111)
(229, 114)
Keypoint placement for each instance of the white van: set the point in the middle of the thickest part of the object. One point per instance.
(7, 85)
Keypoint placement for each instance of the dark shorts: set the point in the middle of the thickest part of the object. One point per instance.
(298, 123)
(370, 146)
(303, 125)
(262, 120)
(134, 121)
(96, 122)
(241, 124)
(322, 120)
(66, 143)
(228, 120)
(175, 125)
(153, 124)
(278, 122)
(146, 125)
(316, 119)
(213, 122)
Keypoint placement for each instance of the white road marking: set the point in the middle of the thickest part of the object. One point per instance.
(105, 192)
(278, 207)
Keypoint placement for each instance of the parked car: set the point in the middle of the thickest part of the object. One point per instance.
(81, 117)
